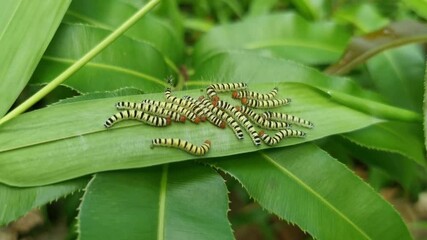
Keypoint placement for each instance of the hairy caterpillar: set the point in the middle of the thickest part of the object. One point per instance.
(137, 115)
(225, 116)
(174, 107)
(183, 145)
(180, 101)
(265, 103)
(273, 140)
(261, 121)
(242, 119)
(212, 89)
(156, 110)
(255, 95)
(287, 118)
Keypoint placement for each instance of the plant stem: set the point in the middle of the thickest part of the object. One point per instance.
(80, 63)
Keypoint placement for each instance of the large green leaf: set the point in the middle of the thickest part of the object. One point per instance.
(126, 63)
(251, 68)
(15, 202)
(398, 75)
(364, 17)
(74, 141)
(391, 135)
(305, 186)
(110, 14)
(180, 201)
(26, 29)
(280, 35)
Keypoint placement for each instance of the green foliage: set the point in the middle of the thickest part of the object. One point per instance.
(371, 115)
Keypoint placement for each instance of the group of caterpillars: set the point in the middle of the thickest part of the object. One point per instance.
(220, 113)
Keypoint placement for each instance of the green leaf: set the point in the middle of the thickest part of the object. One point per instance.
(260, 7)
(311, 9)
(111, 13)
(180, 201)
(397, 166)
(418, 6)
(246, 67)
(126, 63)
(364, 17)
(399, 72)
(305, 186)
(15, 202)
(74, 141)
(26, 30)
(396, 137)
(279, 35)
(362, 48)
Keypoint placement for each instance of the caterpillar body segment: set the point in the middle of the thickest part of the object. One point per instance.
(183, 145)
(180, 101)
(137, 115)
(271, 103)
(242, 120)
(255, 95)
(261, 121)
(156, 110)
(287, 118)
(213, 89)
(224, 116)
(175, 108)
(273, 140)
(199, 108)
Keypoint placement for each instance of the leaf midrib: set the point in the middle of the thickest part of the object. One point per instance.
(290, 43)
(10, 20)
(109, 67)
(162, 202)
(311, 191)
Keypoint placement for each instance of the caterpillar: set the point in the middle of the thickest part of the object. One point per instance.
(273, 140)
(199, 108)
(156, 110)
(183, 145)
(262, 121)
(212, 89)
(287, 118)
(175, 108)
(223, 115)
(255, 95)
(203, 111)
(180, 101)
(271, 103)
(242, 119)
(137, 115)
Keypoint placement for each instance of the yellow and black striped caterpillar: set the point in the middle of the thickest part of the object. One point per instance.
(204, 112)
(138, 115)
(180, 101)
(255, 95)
(242, 119)
(261, 121)
(156, 110)
(273, 140)
(287, 118)
(225, 116)
(212, 89)
(183, 145)
(174, 107)
(272, 103)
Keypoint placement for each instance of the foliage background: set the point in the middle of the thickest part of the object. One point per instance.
(367, 108)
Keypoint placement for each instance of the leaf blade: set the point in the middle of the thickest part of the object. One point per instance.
(20, 60)
(157, 204)
(284, 183)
